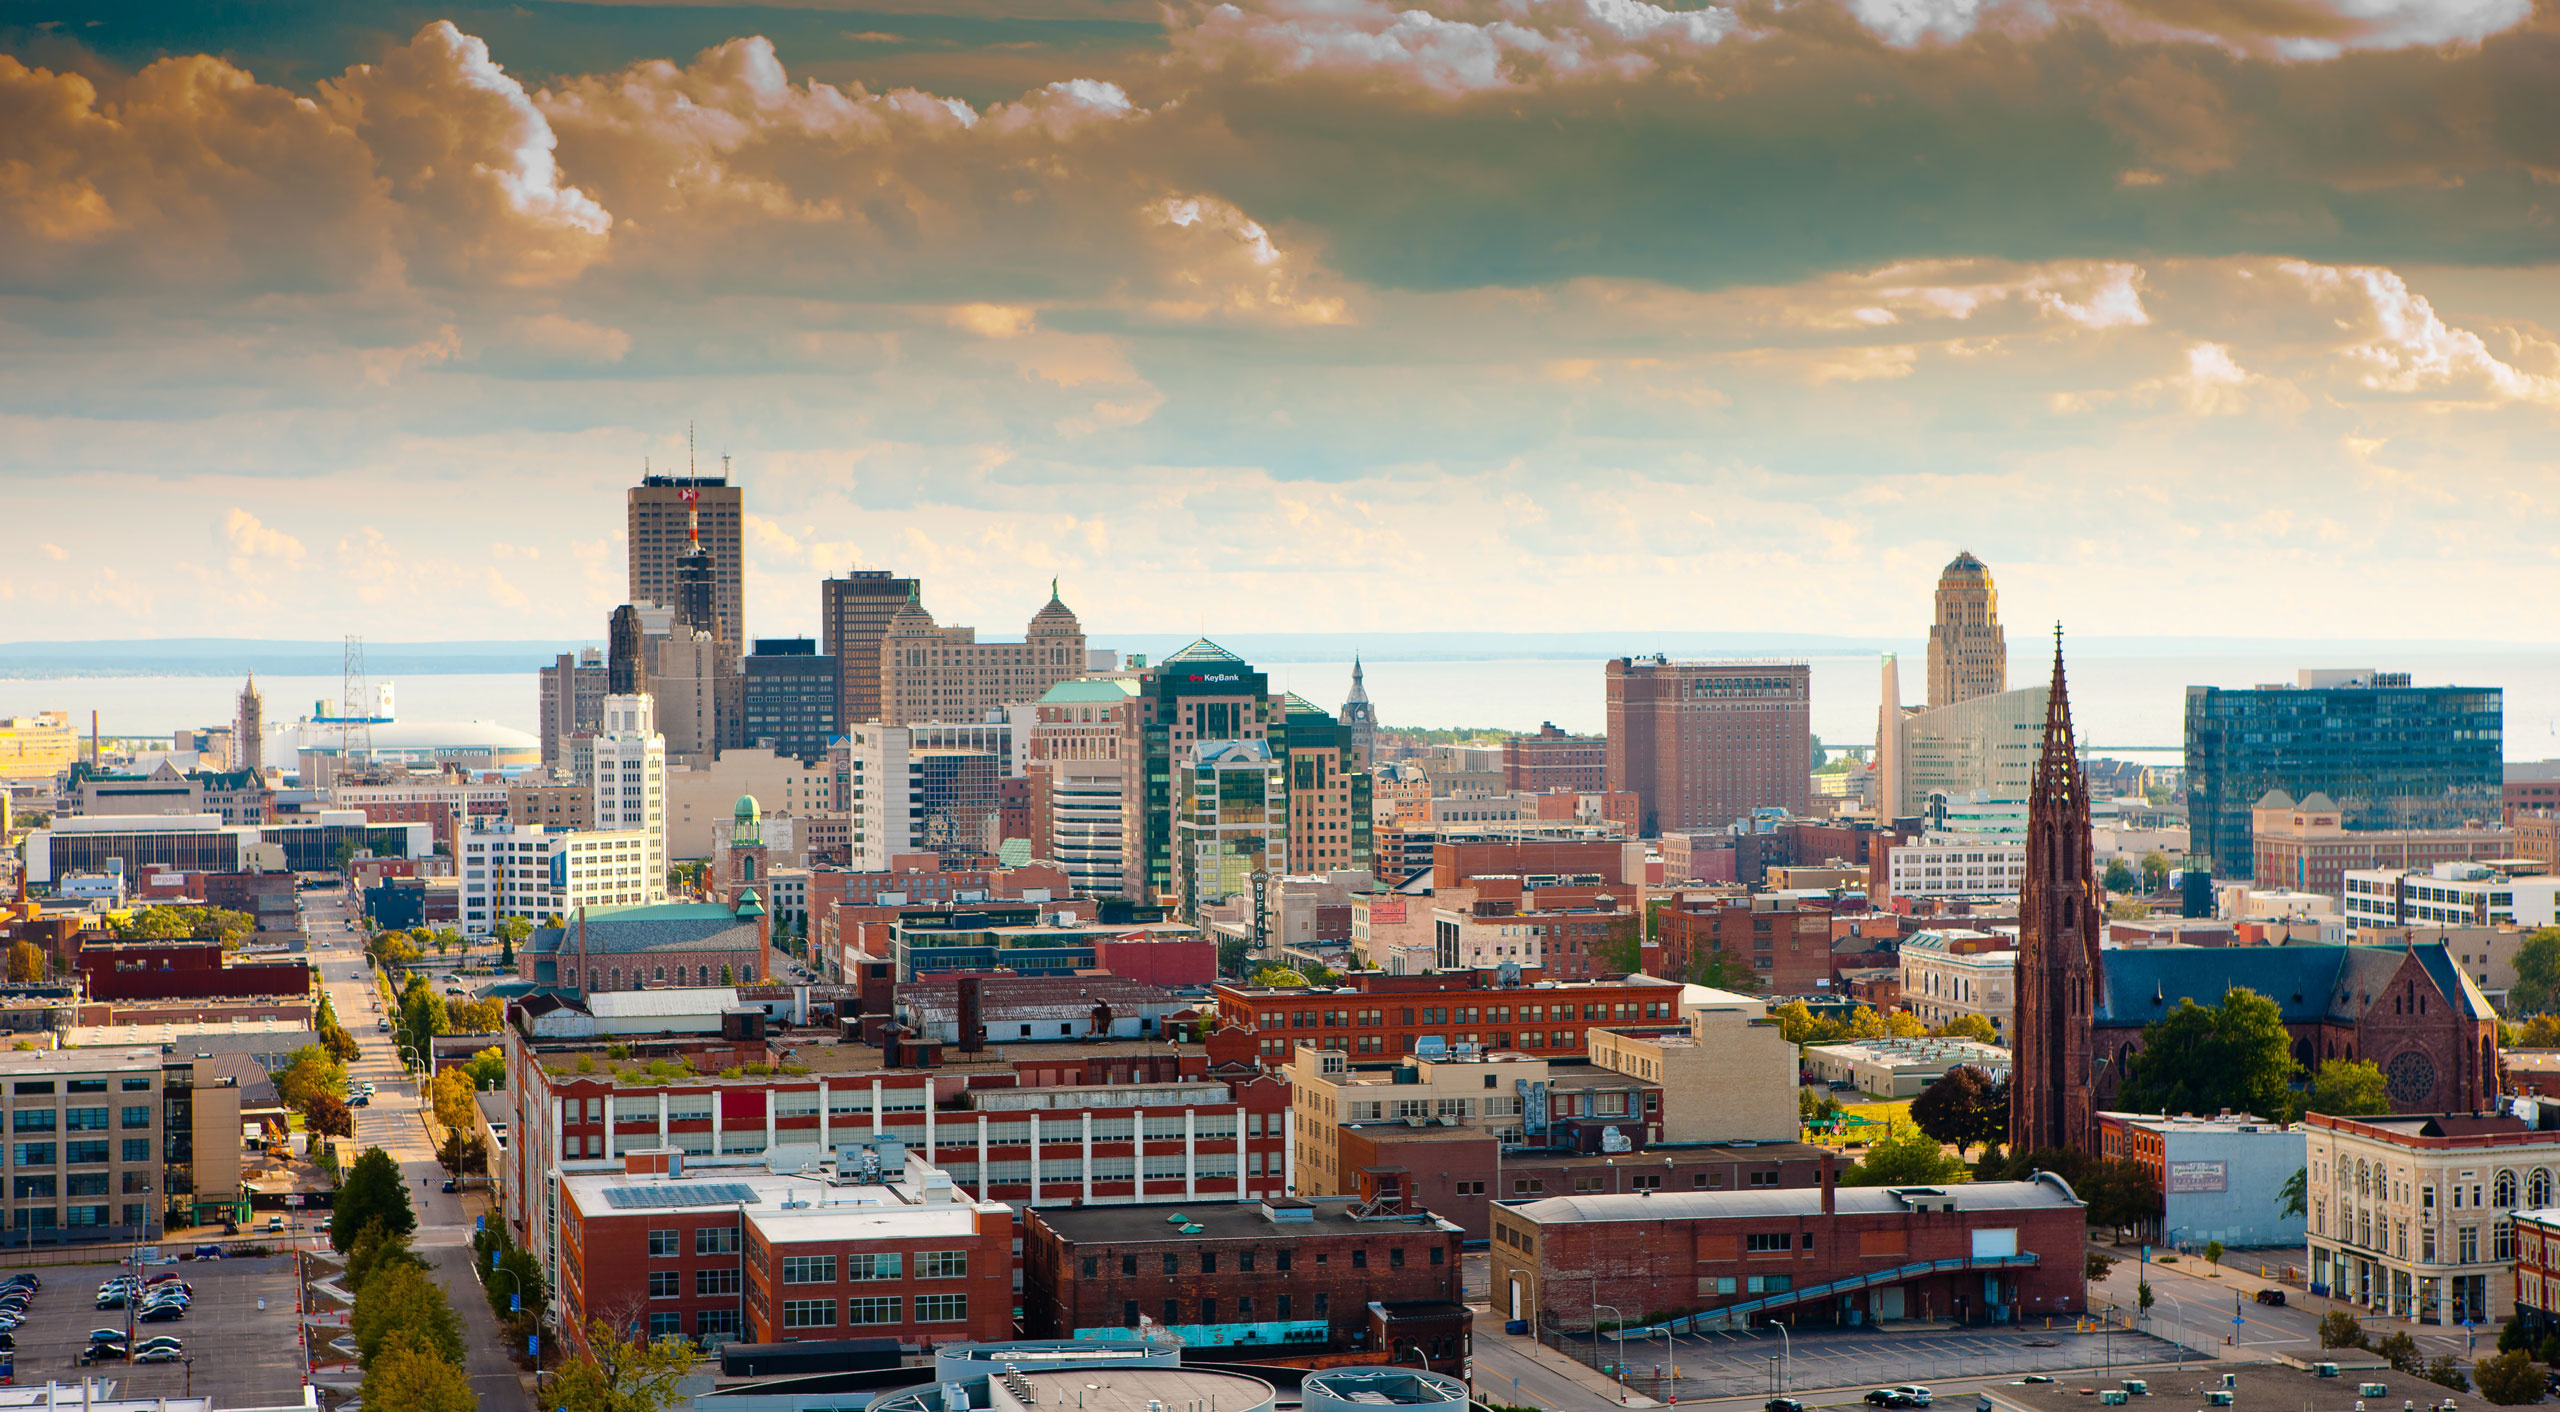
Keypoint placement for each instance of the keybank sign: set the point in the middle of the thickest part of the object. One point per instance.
(1220, 676)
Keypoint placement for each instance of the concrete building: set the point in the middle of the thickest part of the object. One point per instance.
(1703, 744)
(1199, 695)
(572, 702)
(1727, 1077)
(854, 613)
(1079, 779)
(1522, 1101)
(1956, 865)
(1784, 939)
(1968, 653)
(687, 686)
(1950, 971)
(662, 512)
(2304, 845)
(202, 843)
(930, 787)
(38, 747)
(1978, 1252)
(1029, 940)
(933, 673)
(2412, 1216)
(790, 695)
(2393, 756)
(1900, 1068)
(1328, 804)
(535, 873)
(115, 1143)
(1985, 743)
(629, 768)
(2219, 1178)
(703, 796)
(1566, 933)
(2448, 895)
(551, 804)
(1231, 823)
(1457, 1173)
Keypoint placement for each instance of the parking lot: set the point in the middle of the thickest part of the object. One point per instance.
(242, 1355)
(1734, 1365)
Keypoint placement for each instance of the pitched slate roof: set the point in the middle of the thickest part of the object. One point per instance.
(666, 926)
(2309, 984)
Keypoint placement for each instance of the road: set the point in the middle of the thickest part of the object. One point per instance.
(393, 1123)
(2195, 1303)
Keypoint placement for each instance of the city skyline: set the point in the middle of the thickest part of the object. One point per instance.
(1398, 316)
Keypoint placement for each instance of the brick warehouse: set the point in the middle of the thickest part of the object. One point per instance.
(1284, 1276)
(1826, 1255)
(1374, 1014)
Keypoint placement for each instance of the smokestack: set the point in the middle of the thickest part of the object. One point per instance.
(972, 1026)
(1829, 1179)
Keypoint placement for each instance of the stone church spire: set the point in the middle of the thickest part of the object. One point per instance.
(2051, 1104)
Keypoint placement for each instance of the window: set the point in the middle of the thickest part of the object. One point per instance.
(84, 1120)
(1439, 1255)
(85, 1086)
(1092, 1267)
(874, 1310)
(1280, 1259)
(1395, 1258)
(874, 1267)
(941, 1308)
(1324, 1303)
(36, 1188)
(84, 1215)
(87, 1150)
(85, 1184)
(661, 1244)
(665, 1324)
(1763, 1243)
(716, 1323)
(666, 1284)
(715, 1240)
(27, 1086)
(35, 1154)
(136, 1085)
(1128, 1265)
(1244, 1261)
(942, 1265)
(808, 1269)
(712, 1282)
(1283, 1302)
(137, 1116)
(810, 1313)
(1359, 1259)
(1208, 1311)
(33, 1120)
(1208, 1262)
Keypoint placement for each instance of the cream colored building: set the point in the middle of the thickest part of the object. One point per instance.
(1481, 1092)
(1899, 1068)
(2412, 1216)
(933, 673)
(1952, 972)
(706, 795)
(37, 747)
(1731, 1078)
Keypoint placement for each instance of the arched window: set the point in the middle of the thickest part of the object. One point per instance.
(2537, 1188)
(705, 975)
(2364, 1180)
(2503, 1195)
(659, 975)
(616, 982)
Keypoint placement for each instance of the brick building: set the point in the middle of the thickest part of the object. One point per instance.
(1785, 940)
(1977, 1252)
(1703, 744)
(1383, 1016)
(1553, 761)
(763, 1257)
(183, 970)
(1454, 1173)
(662, 944)
(1281, 1276)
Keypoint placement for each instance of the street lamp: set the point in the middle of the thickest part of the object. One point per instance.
(1787, 1354)
(1621, 1321)
(497, 1269)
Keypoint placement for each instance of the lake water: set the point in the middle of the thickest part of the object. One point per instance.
(2122, 703)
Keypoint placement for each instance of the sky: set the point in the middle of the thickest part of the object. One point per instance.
(2192, 317)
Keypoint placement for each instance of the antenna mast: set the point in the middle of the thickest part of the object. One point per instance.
(355, 708)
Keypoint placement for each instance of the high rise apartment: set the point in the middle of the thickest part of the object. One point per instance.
(853, 615)
(2391, 755)
(1078, 777)
(573, 690)
(789, 697)
(1702, 744)
(933, 673)
(686, 685)
(631, 783)
(1968, 654)
(1329, 815)
(108, 1143)
(659, 509)
(927, 788)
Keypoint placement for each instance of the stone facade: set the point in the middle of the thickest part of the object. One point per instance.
(2060, 914)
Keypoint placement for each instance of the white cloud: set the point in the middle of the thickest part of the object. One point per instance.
(253, 541)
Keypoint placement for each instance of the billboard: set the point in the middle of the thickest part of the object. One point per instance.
(2195, 1176)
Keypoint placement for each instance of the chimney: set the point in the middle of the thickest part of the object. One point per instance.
(1829, 1179)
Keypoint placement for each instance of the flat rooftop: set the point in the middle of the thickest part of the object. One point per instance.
(815, 1207)
(1221, 1220)
(2257, 1387)
(127, 1055)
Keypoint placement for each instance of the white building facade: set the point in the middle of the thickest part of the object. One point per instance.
(2449, 895)
(2413, 1216)
(518, 870)
(1949, 973)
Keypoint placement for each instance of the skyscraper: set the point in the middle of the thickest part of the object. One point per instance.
(2392, 756)
(853, 616)
(1702, 744)
(933, 673)
(661, 509)
(2051, 1102)
(626, 665)
(1359, 723)
(789, 696)
(573, 691)
(631, 784)
(1200, 695)
(1968, 654)
(250, 731)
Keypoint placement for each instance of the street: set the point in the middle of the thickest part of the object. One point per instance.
(392, 1122)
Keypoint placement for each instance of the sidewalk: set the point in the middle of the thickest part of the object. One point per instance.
(1573, 1369)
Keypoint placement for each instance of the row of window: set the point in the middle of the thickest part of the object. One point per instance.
(1463, 1014)
(132, 1083)
(669, 1284)
(76, 1120)
(1244, 1262)
(1282, 1307)
(821, 1269)
(707, 1240)
(83, 1152)
(881, 1309)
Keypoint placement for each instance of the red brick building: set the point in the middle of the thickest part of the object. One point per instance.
(1284, 1276)
(1597, 860)
(1552, 761)
(1452, 1172)
(183, 970)
(1467, 1007)
(1785, 940)
(1703, 744)
(748, 1254)
(1744, 1258)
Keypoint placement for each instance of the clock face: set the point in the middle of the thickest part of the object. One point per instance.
(2412, 1078)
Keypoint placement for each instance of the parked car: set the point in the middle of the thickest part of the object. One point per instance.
(101, 1353)
(2035, 1378)
(1887, 1397)
(161, 1313)
(1914, 1394)
(24, 1277)
(160, 1341)
(2271, 1296)
(114, 1336)
(158, 1355)
(449, 1186)
(275, 1223)
(1782, 1404)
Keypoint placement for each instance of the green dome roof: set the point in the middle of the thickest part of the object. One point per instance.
(748, 811)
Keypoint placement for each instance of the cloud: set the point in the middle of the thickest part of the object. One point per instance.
(574, 340)
(1222, 263)
(2399, 344)
(252, 541)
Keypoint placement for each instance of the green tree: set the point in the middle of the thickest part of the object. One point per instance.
(2537, 974)
(2293, 1198)
(2539, 1032)
(2511, 1379)
(620, 1374)
(1965, 1108)
(310, 1075)
(1902, 1024)
(2345, 1088)
(728, 975)
(480, 1016)
(1797, 1024)
(450, 1093)
(373, 1194)
(1905, 1156)
(487, 1069)
(2143, 1296)
(403, 1297)
(511, 1259)
(511, 933)
(1973, 1027)
(2400, 1350)
(409, 1375)
(2120, 876)
(2097, 1267)
(2203, 1059)
(2213, 1254)
(374, 1249)
(2339, 1329)
(2444, 1372)
(1231, 955)
(2119, 1193)
(2155, 870)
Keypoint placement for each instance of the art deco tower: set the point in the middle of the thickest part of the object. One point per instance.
(1968, 654)
(1359, 722)
(2059, 920)
(249, 730)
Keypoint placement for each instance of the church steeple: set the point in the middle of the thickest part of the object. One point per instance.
(1359, 722)
(2051, 1103)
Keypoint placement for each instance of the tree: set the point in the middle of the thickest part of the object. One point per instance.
(2120, 876)
(2511, 1379)
(2203, 1059)
(1279, 976)
(1231, 955)
(1722, 970)
(1966, 1108)
(2400, 1350)
(1863, 1023)
(2119, 1193)
(373, 1194)
(310, 1075)
(26, 962)
(2292, 1199)
(2143, 1296)
(374, 1249)
(2097, 1267)
(2537, 974)
(450, 1091)
(476, 1016)
(2539, 1032)
(2155, 870)
(2345, 1088)
(1905, 1156)
(729, 974)
(410, 1376)
(2444, 1372)
(2340, 1330)
(328, 1116)
(2213, 1254)
(1973, 1027)
(1902, 1024)
(619, 1374)
(511, 933)
(1797, 1024)
(401, 1296)
(487, 1069)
